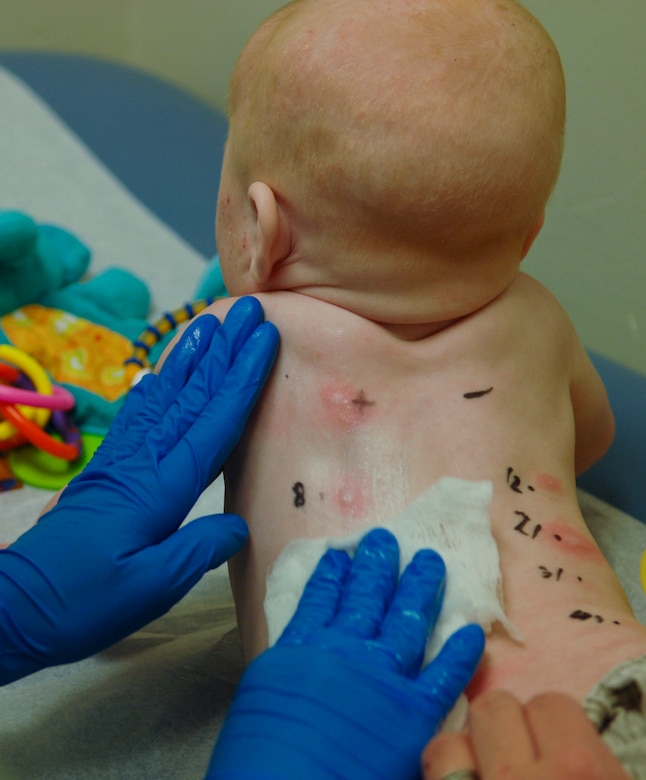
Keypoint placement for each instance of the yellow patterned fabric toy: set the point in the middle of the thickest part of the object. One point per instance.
(71, 349)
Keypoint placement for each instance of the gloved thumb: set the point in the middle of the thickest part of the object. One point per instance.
(172, 567)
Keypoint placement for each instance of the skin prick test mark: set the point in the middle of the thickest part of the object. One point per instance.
(299, 494)
(477, 393)
(361, 401)
(344, 406)
(352, 497)
(550, 483)
(568, 540)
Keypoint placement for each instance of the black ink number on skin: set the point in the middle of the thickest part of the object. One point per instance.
(546, 573)
(523, 522)
(299, 494)
(514, 481)
(579, 614)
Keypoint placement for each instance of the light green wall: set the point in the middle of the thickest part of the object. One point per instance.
(592, 252)
(193, 43)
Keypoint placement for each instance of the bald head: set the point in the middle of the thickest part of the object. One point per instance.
(410, 119)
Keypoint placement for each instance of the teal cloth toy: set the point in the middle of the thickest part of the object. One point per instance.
(211, 283)
(44, 264)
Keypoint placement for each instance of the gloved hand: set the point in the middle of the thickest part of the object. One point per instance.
(109, 557)
(340, 695)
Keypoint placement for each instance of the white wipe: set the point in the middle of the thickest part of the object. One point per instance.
(451, 517)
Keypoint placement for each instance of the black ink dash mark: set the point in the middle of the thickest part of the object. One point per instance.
(477, 393)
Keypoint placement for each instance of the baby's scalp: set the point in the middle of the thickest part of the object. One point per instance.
(406, 119)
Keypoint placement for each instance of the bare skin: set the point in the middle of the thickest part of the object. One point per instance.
(356, 422)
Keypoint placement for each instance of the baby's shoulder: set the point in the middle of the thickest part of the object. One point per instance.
(301, 317)
(526, 290)
(528, 305)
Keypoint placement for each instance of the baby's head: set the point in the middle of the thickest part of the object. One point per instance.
(410, 148)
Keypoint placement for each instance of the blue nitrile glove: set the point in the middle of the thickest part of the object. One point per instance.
(341, 694)
(109, 557)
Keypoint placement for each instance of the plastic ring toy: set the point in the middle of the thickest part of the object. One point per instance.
(39, 469)
(8, 373)
(15, 440)
(60, 398)
(40, 381)
(37, 436)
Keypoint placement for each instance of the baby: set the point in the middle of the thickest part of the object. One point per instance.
(387, 169)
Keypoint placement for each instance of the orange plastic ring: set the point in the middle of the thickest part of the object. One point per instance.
(37, 436)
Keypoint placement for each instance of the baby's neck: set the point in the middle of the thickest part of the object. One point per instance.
(416, 331)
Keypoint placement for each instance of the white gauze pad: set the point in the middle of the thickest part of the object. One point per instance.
(451, 517)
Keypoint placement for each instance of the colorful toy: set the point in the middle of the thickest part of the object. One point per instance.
(88, 338)
(27, 411)
(39, 380)
(80, 332)
(153, 334)
(35, 261)
(40, 469)
(44, 264)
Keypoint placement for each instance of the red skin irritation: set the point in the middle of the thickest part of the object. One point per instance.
(352, 498)
(564, 538)
(345, 406)
(549, 483)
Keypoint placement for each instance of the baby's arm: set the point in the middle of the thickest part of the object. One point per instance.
(593, 418)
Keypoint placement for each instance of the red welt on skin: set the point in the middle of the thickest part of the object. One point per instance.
(345, 406)
(565, 538)
(352, 497)
(549, 483)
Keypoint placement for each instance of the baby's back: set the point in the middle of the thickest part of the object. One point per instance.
(356, 422)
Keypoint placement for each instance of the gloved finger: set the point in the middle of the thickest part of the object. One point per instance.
(179, 368)
(371, 583)
(220, 424)
(414, 610)
(241, 323)
(446, 677)
(135, 401)
(196, 459)
(192, 343)
(320, 599)
(163, 573)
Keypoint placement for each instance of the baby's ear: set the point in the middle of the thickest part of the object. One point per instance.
(271, 241)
